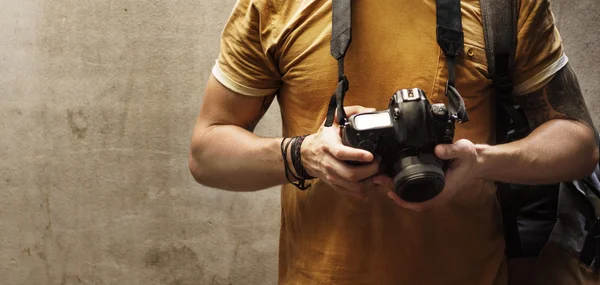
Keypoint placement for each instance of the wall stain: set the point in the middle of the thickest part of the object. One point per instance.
(66, 279)
(43, 246)
(26, 251)
(77, 122)
(174, 265)
(42, 255)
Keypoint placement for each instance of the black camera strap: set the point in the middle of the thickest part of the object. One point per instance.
(449, 37)
(341, 36)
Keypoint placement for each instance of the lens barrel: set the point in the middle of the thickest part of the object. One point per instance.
(420, 177)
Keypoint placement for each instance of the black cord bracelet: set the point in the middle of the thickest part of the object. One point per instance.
(297, 158)
(300, 177)
(285, 151)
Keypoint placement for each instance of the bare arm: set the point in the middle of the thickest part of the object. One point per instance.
(226, 154)
(224, 151)
(562, 146)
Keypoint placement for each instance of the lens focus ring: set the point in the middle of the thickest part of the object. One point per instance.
(420, 180)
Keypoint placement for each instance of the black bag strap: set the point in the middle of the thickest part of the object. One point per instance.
(590, 187)
(449, 36)
(500, 34)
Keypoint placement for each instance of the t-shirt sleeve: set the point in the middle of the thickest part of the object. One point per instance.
(539, 54)
(244, 65)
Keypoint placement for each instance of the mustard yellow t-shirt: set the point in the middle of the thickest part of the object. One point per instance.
(282, 47)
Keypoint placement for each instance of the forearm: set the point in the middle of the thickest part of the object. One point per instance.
(558, 150)
(232, 158)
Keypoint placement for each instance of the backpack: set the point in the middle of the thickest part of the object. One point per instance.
(566, 215)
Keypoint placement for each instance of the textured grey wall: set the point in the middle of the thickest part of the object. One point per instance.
(97, 102)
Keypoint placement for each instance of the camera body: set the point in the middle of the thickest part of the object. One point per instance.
(404, 136)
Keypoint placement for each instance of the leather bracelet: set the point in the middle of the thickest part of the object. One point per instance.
(300, 183)
(297, 158)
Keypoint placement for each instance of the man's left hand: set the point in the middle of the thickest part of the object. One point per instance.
(462, 170)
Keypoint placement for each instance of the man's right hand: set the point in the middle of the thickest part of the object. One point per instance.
(324, 156)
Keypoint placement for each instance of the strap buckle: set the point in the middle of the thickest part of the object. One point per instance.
(344, 83)
(337, 103)
(456, 104)
(340, 92)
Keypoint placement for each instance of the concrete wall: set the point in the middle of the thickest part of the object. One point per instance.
(97, 102)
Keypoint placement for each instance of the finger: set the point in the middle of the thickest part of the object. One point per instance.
(352, 110)
(345, 153)
(445, 151)
(451, 151)
(355, 173)
(384, 182)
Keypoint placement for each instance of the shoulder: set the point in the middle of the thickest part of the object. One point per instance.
(273, 14)
(279, 9)
(529, 9)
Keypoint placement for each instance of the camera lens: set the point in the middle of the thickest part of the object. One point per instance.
(420, 178)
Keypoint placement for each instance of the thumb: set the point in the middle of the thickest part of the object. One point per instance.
(460, 148)
(446, 151)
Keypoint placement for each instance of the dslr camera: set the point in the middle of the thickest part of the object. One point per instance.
(404, 136)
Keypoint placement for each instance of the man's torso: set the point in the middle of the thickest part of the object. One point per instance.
(327, 238)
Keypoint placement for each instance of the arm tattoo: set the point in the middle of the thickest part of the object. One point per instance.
(266, 102)
(561, 98)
